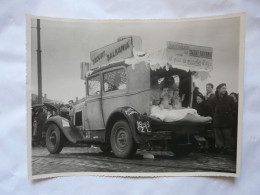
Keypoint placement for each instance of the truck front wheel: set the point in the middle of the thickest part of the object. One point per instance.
(122, 142)
(54, 139)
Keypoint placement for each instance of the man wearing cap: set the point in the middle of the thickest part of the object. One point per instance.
(223, 106)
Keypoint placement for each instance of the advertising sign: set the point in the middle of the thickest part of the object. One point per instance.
(113, 52)
(192, 56)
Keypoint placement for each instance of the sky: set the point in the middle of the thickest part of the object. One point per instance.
(65, 44)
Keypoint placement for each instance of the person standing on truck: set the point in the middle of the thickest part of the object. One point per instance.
(155, 91)
(223, 106)
(71, 109)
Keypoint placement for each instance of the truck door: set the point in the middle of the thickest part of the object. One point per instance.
(93, 102)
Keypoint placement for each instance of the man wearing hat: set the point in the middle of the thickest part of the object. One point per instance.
(223, 106)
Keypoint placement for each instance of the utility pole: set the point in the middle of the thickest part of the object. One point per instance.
(39, 62)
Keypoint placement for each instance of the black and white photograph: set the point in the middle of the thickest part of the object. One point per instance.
(135, 97)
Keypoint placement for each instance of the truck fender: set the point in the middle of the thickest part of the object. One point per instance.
(138, 123)
(68, 129)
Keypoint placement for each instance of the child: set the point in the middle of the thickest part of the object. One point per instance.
(166, 99)
(177, 100)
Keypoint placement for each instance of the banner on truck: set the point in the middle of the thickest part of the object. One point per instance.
(192, 56)
(113, 52)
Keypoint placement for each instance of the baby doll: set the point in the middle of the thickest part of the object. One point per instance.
(166, 97)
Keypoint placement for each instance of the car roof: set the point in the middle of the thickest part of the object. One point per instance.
(112, 65)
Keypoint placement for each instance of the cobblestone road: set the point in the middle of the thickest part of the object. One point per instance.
(83, 159)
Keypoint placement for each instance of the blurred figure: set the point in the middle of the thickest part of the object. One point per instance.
(235, 115)
(49, 114)
(34, 127)
(41, 119)
(177, 100)
(155, 90)
(71, 109)
(166, 97)
(223, 106)
(64, 112)
(195, 94)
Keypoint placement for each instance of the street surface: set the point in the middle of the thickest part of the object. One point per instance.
(84, 159)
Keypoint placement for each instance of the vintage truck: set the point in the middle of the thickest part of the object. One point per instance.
(116, 115)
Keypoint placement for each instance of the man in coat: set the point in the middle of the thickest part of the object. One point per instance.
(210, 94)
(223, 106)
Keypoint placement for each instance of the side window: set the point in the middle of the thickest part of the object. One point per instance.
(78, 118)
(115, 80)
(94, 85)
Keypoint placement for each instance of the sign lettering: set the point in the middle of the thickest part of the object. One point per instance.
(192, 56)
(113, 52)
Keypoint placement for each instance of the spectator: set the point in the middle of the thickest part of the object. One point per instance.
(205, 110)
(210, 95)
(195, 94)
(49, 114)
(64, 112)
(41, 119)
(71, 109)
(235, 114)
(202, 108)
(223, 106)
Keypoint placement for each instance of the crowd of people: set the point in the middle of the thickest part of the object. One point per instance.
(223, 109)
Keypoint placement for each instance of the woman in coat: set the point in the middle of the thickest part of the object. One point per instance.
(202, 107)
(223, 107)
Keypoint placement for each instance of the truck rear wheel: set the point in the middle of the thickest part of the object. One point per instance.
(54, 139)
(122, 142)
